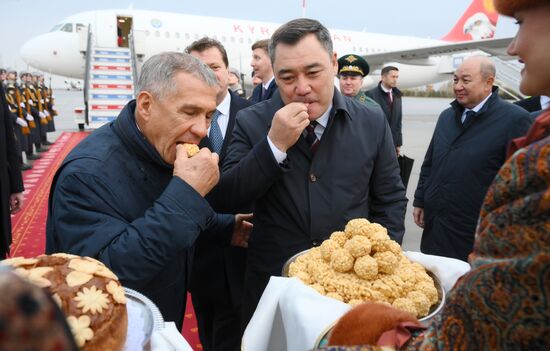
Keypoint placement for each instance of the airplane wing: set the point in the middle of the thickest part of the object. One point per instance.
(420, 56)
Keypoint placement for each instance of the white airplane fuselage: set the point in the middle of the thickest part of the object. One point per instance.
(61, 50)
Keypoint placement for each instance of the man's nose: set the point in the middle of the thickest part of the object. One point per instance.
(302, 86)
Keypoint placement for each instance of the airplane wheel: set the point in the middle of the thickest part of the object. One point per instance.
(81, 127)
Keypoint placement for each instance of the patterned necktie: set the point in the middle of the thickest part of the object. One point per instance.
(389, 97)
(468, 116)
(264, 94)
(216, 137)
(311, 137)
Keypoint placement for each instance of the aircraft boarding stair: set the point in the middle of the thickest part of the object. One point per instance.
(110, 84)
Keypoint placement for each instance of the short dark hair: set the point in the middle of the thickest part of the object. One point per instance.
(261, 44)
(205, 43)
(387, 69)
(295, 30)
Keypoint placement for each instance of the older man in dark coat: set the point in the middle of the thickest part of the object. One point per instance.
(467, 149)
(130, 196)
(11, 182)
(310, 158)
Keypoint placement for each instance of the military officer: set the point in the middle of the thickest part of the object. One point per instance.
(31, 113)
(351, 71)
(44, 103)
(20, 124)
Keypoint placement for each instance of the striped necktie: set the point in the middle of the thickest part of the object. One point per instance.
(311, 137)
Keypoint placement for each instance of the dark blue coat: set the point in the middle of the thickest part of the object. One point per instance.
(459, 166)
(116, 200)
(255, 97)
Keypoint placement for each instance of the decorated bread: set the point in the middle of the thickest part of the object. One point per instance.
(88, 293)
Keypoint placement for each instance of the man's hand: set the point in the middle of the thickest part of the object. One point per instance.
(398, 150)
(418, 215)
(200, 171)
(287, 125)
(16, 202)
(241, 232)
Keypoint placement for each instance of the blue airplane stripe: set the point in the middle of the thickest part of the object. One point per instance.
(110, 76)
(111, 96)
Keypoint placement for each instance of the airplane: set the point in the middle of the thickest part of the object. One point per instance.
(420, 61)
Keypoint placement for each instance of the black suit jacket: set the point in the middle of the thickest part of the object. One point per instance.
(300, 203)
(393, 114)
(218, 269)
(531, 104)
(255, 98)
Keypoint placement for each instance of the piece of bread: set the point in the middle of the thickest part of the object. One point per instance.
(88, 293)
(192, 149)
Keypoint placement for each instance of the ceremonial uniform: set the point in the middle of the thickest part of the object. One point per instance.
(352, 67)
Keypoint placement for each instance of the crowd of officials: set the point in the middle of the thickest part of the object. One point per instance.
(276, 173)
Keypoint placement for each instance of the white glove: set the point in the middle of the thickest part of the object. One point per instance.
(30, 102)
(29, 117)
(53, 107)
(46, 112)
(47, 100)
(22, 104)
(41, 114)
(41, 101)
(21, 122)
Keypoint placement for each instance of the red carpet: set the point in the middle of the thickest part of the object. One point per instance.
(29, 225)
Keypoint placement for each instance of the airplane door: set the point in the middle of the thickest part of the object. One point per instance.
(105, 29)
(124, 27)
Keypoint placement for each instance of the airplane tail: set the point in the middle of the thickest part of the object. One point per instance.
(478, 22)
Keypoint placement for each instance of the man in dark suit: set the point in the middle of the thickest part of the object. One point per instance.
(218, 269)
(261, 64)
(309, 158)
(389, 98)
(467, 149)
(11, 181)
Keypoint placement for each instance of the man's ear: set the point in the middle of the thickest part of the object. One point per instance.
(144, 105)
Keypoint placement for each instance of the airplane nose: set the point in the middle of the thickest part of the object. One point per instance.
(30, 52)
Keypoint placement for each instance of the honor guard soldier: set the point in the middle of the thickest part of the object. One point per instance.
(49, 102)
(3, 75)
(20, 125)
(351, 71)
(43, 101)
(32, 117)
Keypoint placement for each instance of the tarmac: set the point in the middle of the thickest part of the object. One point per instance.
(419, 119)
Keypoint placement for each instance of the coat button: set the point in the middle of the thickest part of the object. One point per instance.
(312, 177)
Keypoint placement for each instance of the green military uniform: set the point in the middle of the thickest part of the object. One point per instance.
(356, 65)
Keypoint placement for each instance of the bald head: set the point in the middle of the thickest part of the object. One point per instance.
(483, 63)
(473, 80)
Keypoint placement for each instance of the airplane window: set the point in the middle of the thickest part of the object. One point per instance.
(177, 35)
(249, 40)
(56, 27)
(80, 27)
(232, 39)
(167, 34)
(215, 37)
(196, 36)
(68, 27)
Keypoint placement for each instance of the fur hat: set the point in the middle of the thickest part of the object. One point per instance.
(509, 7)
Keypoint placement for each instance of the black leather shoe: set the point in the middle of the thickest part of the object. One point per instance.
(25, 167)
(33, 157)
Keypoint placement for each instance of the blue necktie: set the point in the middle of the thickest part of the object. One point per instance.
(469, 115)
(264, 94)
(216, 137)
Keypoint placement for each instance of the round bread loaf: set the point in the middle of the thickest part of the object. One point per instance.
(88, 293)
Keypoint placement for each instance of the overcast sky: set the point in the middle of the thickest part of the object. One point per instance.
(24, 19)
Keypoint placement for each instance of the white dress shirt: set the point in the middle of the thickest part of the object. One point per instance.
(475, 109)
(223, 118)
